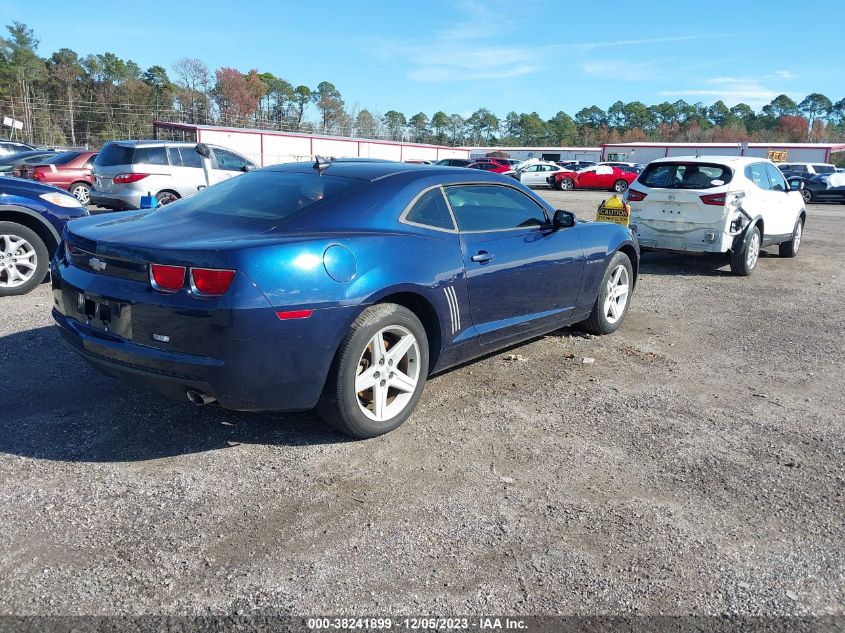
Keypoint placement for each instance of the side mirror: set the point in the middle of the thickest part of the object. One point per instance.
(203, 150)
(563, 219)
(247, 168)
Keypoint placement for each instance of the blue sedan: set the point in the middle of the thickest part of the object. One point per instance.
(340, 286)
(32, 218)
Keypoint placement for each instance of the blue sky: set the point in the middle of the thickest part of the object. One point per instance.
(461, 55)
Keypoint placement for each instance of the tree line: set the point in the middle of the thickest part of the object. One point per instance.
(68, 99)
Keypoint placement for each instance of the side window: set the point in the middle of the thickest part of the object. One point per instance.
(430, 209)
(776, 178)
(756, 173)
(150, 156)
(89, 163)
(190, 158)
(175, 158)
(228, 161)
(493, 208)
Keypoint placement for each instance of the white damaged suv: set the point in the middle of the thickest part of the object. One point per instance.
(716, 204)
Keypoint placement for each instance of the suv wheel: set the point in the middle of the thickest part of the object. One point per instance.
(744, 259)
(790, 248)
(807, 195)
(23, 259)
(166, 197)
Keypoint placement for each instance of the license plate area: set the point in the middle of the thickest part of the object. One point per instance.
(104, 315)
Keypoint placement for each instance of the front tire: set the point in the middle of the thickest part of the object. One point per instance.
(23, 259)
(620, 186)
(790, 248)
(614, 297)
(566, 184)
(378, 373)
(807, 195)
(744, 260)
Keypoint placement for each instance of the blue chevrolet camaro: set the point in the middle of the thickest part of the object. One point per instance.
(340, 286)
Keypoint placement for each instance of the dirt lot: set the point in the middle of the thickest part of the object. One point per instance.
(695, 467)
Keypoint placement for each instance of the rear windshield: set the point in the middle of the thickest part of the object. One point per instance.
(685, 176)
(264, 196)
(824, 169)
(114, 154)
(60, 159)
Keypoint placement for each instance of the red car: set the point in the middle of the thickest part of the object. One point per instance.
(489, 164)
(595, 177)
(68, 170)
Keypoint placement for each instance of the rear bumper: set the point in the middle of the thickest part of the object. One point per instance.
(703, 239)
(245, 358)
(124, 201)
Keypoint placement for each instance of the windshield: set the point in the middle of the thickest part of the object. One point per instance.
(685, 176)
(264, 196)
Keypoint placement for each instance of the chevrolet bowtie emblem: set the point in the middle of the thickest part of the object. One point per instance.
(97, 264)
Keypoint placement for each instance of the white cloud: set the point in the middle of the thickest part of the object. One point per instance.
(614, 70)
(731, 90)
(786, 74)
(471, 49)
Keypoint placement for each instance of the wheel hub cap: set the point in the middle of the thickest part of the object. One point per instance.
(18, 261)
(388, 373)
(617, 294)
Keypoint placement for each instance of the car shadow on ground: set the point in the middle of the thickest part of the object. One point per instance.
(688, 265)
(55, 406)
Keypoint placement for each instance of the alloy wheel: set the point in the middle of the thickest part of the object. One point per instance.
(753, 251)
(617, 294)
(18, 261)
(388, 373)
(82, 193)
(566, 184)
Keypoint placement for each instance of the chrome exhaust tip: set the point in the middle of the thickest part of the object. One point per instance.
(199, 398)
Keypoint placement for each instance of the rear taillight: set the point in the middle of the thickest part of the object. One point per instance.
(714, 199)
(211, 282)
(122, 179)
(37, 174)
(636, 196)
(167, 278)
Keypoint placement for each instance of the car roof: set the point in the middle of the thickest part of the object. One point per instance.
(362, 170)
(735, 161)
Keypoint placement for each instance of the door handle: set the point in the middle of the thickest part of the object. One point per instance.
(482, 257)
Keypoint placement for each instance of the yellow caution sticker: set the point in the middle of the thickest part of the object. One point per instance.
(614, 210)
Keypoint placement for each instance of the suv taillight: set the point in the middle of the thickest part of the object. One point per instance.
(122, 179)
(636, 196)
(167, 278)
(715, 199)
(211, 282)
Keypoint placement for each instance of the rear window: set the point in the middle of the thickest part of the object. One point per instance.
(266, 196)
(61, 159)
(114, 154)
(685, 176)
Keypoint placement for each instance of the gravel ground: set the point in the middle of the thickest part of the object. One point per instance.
(696, 466)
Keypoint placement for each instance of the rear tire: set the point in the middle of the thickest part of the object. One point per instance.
(744, 260)
(790, 248)
(166, 197)
(613, 298)
(81, 191)
(23, 259)
(368, 392)
(807, 195)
